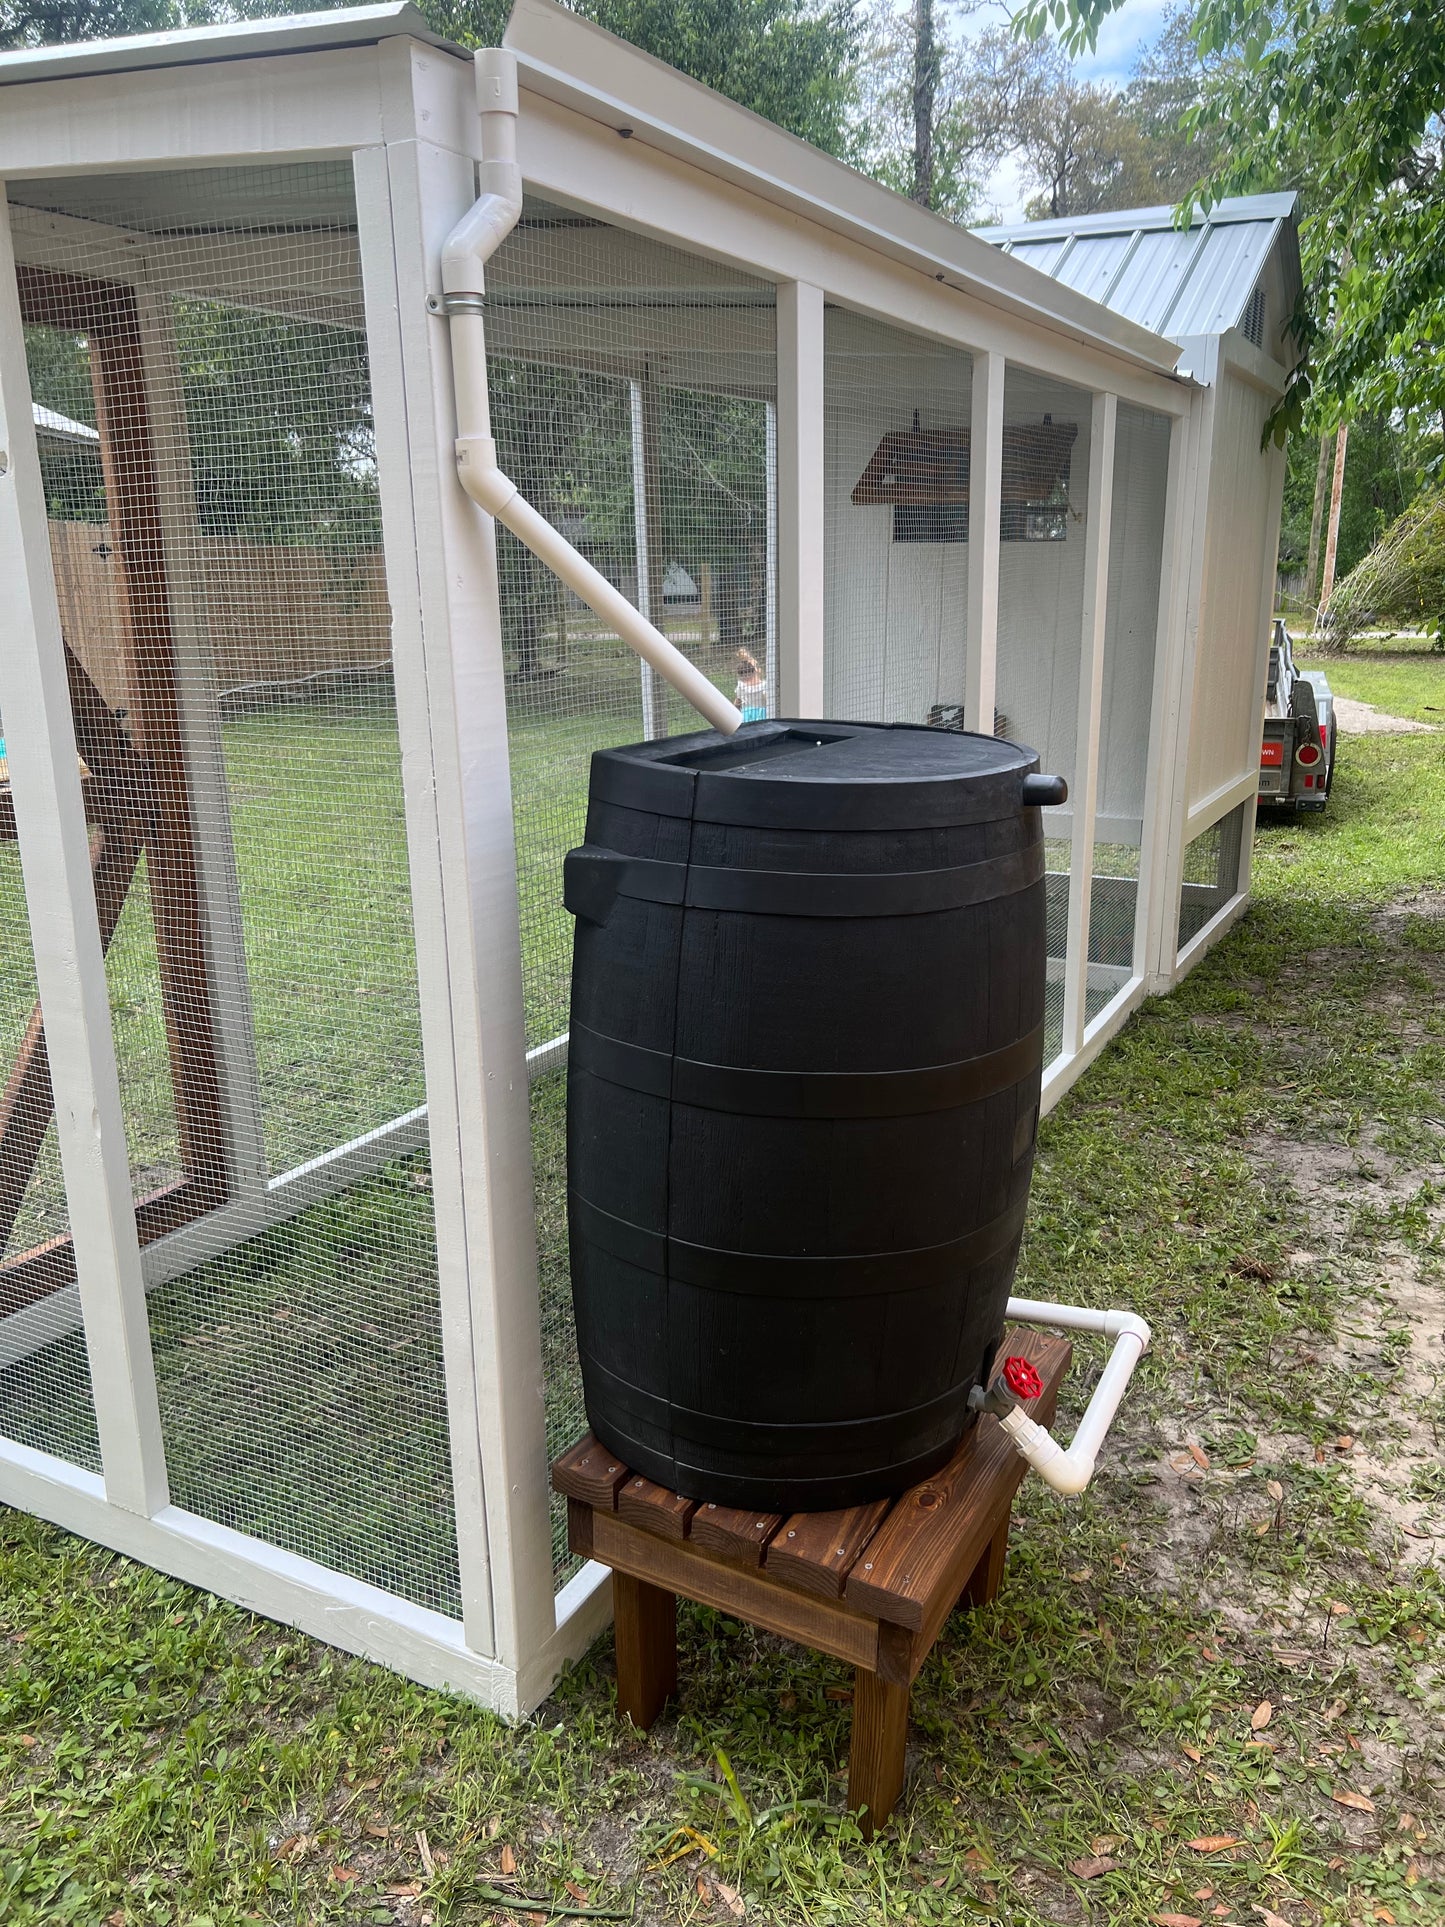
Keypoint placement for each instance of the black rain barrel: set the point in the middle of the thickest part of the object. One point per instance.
(806, 1044)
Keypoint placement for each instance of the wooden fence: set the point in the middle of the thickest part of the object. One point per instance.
(271, 614)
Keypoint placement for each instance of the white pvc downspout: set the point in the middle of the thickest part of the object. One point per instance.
(1070, 1471)
(468, 247)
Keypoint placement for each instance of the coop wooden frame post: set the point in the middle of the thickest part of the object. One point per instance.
(1103, 424)
(65, 935)
(802, 591)
(985, 528)
(199, 716)
(1164, 706)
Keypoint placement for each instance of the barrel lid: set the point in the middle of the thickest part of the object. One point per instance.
(820, 775)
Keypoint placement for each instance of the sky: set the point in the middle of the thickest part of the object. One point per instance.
(1122, 36)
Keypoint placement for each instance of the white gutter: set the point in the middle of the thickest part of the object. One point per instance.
(1068, 1471)
(469, 246)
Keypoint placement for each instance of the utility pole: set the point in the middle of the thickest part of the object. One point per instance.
(1317, 521)
(1332, 540)
(925, 97)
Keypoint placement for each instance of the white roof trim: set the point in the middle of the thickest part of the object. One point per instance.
(49, 421)
(236, 40)
(1146, 220)
(568, 60)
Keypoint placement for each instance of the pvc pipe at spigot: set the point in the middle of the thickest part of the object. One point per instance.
(490, 489)
(1068, 1472)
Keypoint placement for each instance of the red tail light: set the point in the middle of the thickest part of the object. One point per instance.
(1307, 755)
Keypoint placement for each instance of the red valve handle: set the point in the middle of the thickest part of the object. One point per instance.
(1021, 1378)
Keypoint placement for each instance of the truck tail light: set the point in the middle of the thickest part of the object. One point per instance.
(1307, 755)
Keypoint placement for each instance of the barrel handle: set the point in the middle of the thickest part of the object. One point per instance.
(590, 883)
(1042, 792)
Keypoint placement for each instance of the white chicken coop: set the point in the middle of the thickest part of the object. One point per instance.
(295, 737)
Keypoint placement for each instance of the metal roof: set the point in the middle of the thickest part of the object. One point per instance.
(1174, 281)
(51, 425)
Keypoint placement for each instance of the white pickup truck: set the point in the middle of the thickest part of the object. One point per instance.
(1297, 756)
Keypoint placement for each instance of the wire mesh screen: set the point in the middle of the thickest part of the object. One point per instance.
(1043, 517)
(44, 1374)
(218, 563)
(1211, 872)
(896, 466)
(632, 393)
(1136, 559)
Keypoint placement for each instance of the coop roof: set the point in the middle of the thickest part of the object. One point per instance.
(569, 61)
(1175, 281)
(53, 427)
(235, 40)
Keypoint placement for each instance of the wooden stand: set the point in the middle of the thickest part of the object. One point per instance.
(872, 1585)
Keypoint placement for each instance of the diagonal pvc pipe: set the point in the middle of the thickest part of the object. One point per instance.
(468, 247)
(1068, 1471)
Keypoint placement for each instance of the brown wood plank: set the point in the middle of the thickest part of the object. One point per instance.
(579, 1528)
(876, 1758)
(158, 734)
(815, 1551)
(644, 1620)
(828, 1626)
(933, 1538)
(642, 1502)
(734, 1532)
(33, 1275)
(981, 1586)
(590, 1472)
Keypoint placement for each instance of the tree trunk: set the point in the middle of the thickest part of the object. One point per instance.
(1317, 518)
(925, 95)
(1332, 540)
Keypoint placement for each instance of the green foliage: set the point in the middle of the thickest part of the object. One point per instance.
(1343, 101)
(1381, 477)
(1401, 580)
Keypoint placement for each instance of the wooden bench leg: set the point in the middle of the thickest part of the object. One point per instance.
(645, 1627)
(880, 1735)
(987, 1576)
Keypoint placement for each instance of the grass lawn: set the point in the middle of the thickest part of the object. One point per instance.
(1236, 1637)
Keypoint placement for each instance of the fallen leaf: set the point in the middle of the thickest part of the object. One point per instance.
(1220, 1911)
(1274, 1489)
(1416, 1532)
(579, 1894)
(1203, 1893)
(1091, 1868)
(1343, 1442)
(1252, 1268)
(1408, 1823)
(702, 1892)
(117, 1919)
(731, 1899)
(1383, 1913)
(508, 1861)
(28, 1740)
(1081, 1574)
(494, 1826)
(1357, 1802)
(1213, 1842)
(1270, 1917)
(1260, 1718)
(1105, 1842)
(788, 1702)
(1208, 1652)
(1176, 1920)
(975, 1859)
(376, 1831)
(339, 1872)
(1191, 1752)
(1199, 1456)
(1319, 1455)
(404, 1889)
(1415, 1635)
